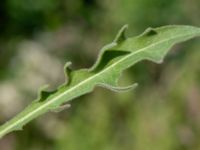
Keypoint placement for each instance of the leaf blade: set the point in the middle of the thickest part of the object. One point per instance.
(114, 58)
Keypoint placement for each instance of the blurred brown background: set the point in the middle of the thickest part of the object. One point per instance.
(37, 37)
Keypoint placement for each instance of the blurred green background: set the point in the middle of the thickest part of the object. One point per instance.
(37, 37)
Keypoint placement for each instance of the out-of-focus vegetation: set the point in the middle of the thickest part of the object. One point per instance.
(38, 37)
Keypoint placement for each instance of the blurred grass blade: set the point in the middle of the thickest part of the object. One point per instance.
(113, 59)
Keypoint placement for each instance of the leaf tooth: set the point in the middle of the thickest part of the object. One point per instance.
(119, 88)
(61, 108)
(41, 91)
(43, 94)
(102, 51)
(120, 37)
(111, 83)
(121, 34)
(67, 71)
(149, 32)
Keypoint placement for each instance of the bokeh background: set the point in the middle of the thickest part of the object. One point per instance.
(37, 37)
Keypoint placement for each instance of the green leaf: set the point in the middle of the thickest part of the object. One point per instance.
(113, 59)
